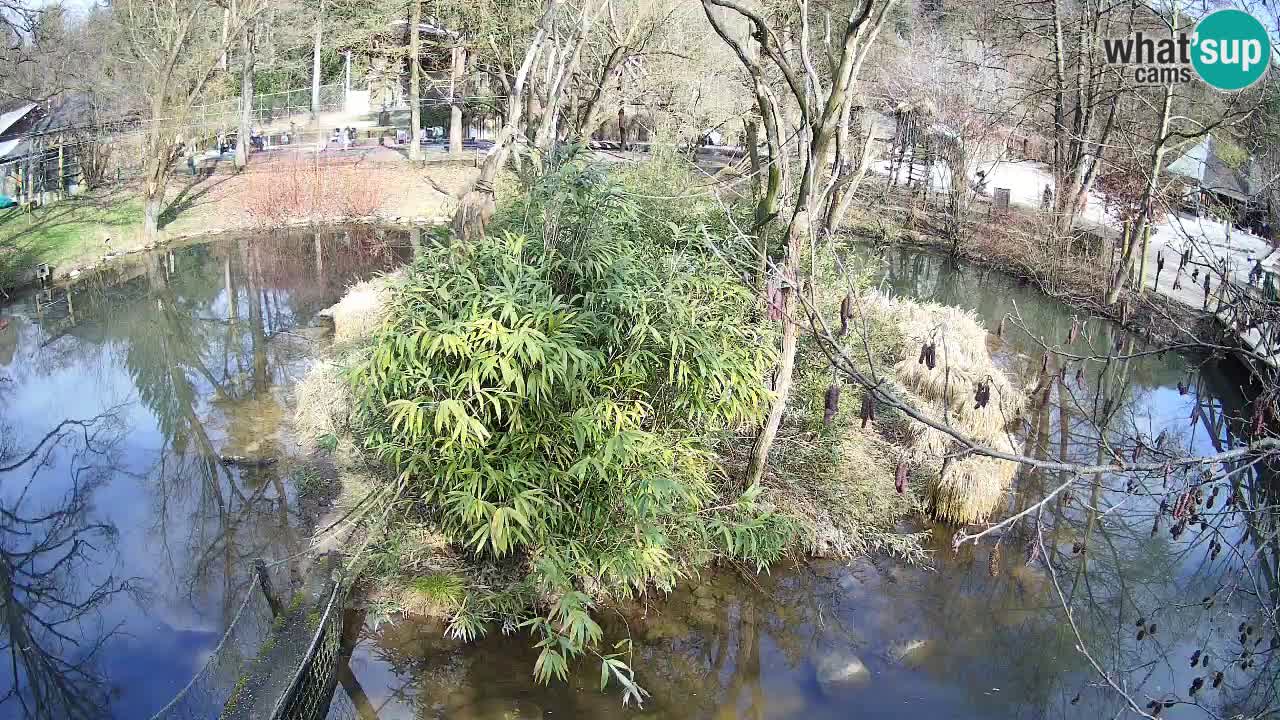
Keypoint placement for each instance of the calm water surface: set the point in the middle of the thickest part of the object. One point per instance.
(125, 543)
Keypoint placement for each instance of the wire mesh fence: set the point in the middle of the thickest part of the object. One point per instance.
(281, 665)
(217, 681)
(267, 107)
(311, 690)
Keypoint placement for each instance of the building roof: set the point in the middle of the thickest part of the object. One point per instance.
(8, 119)
(1203, 163)
(30, 120)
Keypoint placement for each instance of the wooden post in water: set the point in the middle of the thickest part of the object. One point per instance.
(264, 580)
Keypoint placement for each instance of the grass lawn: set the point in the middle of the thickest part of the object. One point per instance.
(67, 231)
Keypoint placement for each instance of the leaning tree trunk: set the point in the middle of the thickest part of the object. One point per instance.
(415, 71)
(797, 236)
(823, 122)
(478, 204)
(246, 96)
(590, 118)
(1148, 196)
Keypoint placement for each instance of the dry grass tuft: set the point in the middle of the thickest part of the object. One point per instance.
(324, 402)
(848, 506)
(361, 312)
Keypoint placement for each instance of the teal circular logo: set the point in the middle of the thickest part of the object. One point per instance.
(1230, 49)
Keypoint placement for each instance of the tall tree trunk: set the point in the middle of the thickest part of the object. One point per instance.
(415, 79)
(1148, 195)
(752, 139)
(226, 29)
(157, 151)
(457, 65)
(315, 66)
(154, 177)
(246, 95)
(478, 204)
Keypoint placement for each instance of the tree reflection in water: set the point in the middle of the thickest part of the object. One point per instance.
(202, 343)
(55, 574)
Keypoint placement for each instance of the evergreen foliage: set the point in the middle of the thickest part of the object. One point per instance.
(555, 393)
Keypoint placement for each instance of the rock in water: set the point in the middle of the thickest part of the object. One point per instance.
(909, 653)
(840, 670)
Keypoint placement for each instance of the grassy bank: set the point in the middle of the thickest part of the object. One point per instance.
(68, 232)
(71, 234)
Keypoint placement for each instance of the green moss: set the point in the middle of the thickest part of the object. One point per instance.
(1231, 154)
(233, 702)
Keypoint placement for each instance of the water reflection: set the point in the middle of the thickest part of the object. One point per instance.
(56, 572)
(185, 358)
(977, 635)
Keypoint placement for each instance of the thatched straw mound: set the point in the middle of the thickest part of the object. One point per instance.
(970, 489)
(360, 312)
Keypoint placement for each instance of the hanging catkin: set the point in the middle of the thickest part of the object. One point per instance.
(982, 395)
(833, 403)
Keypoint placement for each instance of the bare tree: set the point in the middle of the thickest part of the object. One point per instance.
(175, 49)
(821, 98)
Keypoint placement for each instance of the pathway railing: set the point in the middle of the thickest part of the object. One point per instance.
(311, 690)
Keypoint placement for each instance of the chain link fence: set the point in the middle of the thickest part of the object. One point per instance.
(275, 666)
(309, 694)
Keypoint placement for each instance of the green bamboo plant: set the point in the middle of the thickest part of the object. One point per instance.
(558, 395)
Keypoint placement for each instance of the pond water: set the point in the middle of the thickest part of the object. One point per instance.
(952, 640)
(125, 540)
